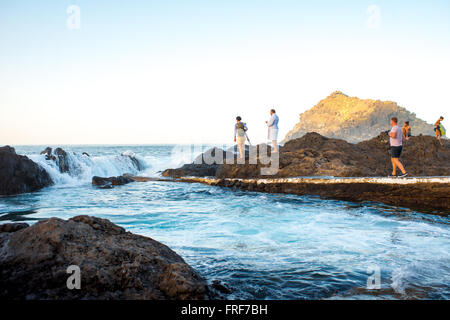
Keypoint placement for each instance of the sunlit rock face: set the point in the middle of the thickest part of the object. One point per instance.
(353, 119)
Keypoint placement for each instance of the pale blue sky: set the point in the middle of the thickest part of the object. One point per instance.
(180, 71)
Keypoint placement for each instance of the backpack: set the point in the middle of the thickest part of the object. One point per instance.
(241, 126)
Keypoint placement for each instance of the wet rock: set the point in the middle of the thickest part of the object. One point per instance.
(62, 160)
(114, 264)
(136, 163)
(85, 154)
(48, 154)
(220, 287)
(111, 181)
(59, 156)
(47, 151)
(18, 174)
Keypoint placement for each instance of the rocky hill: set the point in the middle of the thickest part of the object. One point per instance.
(353, 119)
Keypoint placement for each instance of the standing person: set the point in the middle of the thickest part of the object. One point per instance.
(396, 142)
(437, 129)
(273, 129)
(239, 135)
(406, 130)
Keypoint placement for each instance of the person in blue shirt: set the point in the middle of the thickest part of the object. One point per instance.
(273, 129)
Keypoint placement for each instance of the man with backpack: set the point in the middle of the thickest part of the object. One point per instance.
(240, 129)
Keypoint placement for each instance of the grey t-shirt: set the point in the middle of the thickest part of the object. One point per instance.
(398, 140)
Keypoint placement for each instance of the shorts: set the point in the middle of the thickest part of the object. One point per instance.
(396, 151)
(273, 134)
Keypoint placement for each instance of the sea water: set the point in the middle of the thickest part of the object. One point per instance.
(260, 246)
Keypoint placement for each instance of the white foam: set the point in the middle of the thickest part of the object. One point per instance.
(82, 167)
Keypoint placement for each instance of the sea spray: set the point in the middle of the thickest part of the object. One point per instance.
(83, 167)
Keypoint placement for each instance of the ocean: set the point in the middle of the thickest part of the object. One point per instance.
(260, 246)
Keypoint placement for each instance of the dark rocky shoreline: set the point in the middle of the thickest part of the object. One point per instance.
(423, 196)
(114, 264)
(315, 155)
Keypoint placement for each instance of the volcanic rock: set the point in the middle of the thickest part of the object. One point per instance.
(315, 155)
(113, 263)
(18, 174)
(342, 117)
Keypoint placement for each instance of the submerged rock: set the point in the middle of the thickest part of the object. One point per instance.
(111, 181)
(113, 263)
(18, 174)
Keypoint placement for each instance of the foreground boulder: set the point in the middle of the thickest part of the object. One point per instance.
(315, 155)
(114, 264)
(18, 174)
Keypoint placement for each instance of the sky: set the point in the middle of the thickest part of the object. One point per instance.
(145, 72)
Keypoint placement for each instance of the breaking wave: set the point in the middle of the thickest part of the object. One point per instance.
(82, 167)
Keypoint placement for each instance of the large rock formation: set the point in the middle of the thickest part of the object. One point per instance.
(315, 155)
(114, 264)
(354, 120)
(18, 174)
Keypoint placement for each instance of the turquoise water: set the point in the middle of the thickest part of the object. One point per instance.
(262, 246)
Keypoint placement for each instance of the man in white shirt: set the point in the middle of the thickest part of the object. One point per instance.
(273, 130)
(396, 142)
